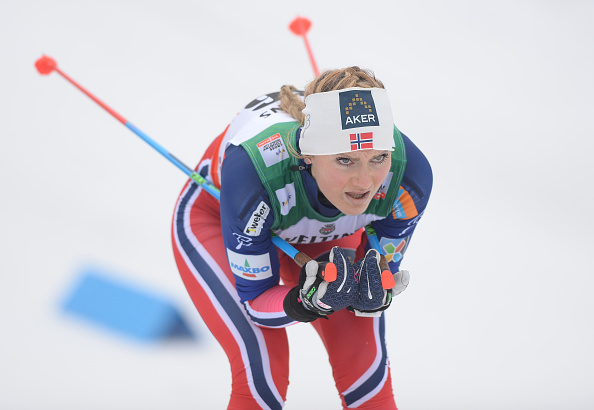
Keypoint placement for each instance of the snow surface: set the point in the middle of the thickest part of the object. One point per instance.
(499, 95)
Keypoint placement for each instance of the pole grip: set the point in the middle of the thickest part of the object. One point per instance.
(301, 259)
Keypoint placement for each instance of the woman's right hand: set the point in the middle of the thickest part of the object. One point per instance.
(324, 288)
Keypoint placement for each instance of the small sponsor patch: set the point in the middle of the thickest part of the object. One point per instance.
(286, 197)
(383, 189)
(273, 150)
(256, 222)
(251, 267)
(327, 229)
(357, 109)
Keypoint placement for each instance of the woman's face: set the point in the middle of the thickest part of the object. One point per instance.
(350, 180)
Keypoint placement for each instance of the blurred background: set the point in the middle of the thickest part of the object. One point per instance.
(499, 96)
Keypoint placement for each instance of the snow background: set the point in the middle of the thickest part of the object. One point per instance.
(499, 95)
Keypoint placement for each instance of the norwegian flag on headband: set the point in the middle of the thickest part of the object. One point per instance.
(363, 140)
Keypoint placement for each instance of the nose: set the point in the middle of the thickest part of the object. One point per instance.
(363, 178)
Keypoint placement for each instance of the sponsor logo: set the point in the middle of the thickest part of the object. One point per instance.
(357, 109)
(398, 208)
(316, 239)
(251, 267)
(327, 229)
(394, 248)
(242, 240)
(273, 150)
(323, 305)
(286, 197)
(363, 140)
(256, 222)
(383, 189)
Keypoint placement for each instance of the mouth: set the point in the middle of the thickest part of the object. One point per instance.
(358, 197)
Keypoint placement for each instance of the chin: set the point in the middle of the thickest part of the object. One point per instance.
(349, 209)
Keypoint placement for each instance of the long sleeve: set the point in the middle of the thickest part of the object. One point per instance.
(395, 231)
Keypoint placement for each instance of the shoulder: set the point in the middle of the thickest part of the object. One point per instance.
(245, 205)
(416, 184)
(241, 187)
(418, 175)
(238, 175)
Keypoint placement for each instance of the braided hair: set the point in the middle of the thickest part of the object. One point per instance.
(329, 80)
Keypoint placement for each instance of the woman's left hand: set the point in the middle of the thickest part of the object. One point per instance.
(377, 287)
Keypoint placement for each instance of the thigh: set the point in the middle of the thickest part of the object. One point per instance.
(356, 345)
(258, 356)
(357, 352)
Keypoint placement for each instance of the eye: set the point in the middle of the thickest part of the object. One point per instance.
(344, 161)
(381, 158)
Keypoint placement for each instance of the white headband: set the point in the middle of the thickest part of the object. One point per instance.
(347, 120)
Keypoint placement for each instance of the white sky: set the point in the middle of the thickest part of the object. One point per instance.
(499, 95)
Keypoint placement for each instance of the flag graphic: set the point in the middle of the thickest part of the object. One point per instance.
(363, 140)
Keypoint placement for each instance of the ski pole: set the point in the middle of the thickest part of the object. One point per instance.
(387, 276)
(46, 65)
(300, 26)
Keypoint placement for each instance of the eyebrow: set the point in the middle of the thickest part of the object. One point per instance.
(348, 155)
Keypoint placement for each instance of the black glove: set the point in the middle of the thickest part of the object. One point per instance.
(376, 287)
(324, 288)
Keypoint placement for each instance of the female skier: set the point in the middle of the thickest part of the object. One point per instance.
(313, 168)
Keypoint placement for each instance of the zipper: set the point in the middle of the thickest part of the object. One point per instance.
(413, 188)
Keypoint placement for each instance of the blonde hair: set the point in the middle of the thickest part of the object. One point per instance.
(329, 80)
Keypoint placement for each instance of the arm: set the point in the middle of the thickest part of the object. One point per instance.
(394, 233)
(246, 216)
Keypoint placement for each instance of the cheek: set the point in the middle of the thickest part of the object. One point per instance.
(382, 173)
(330, 180)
